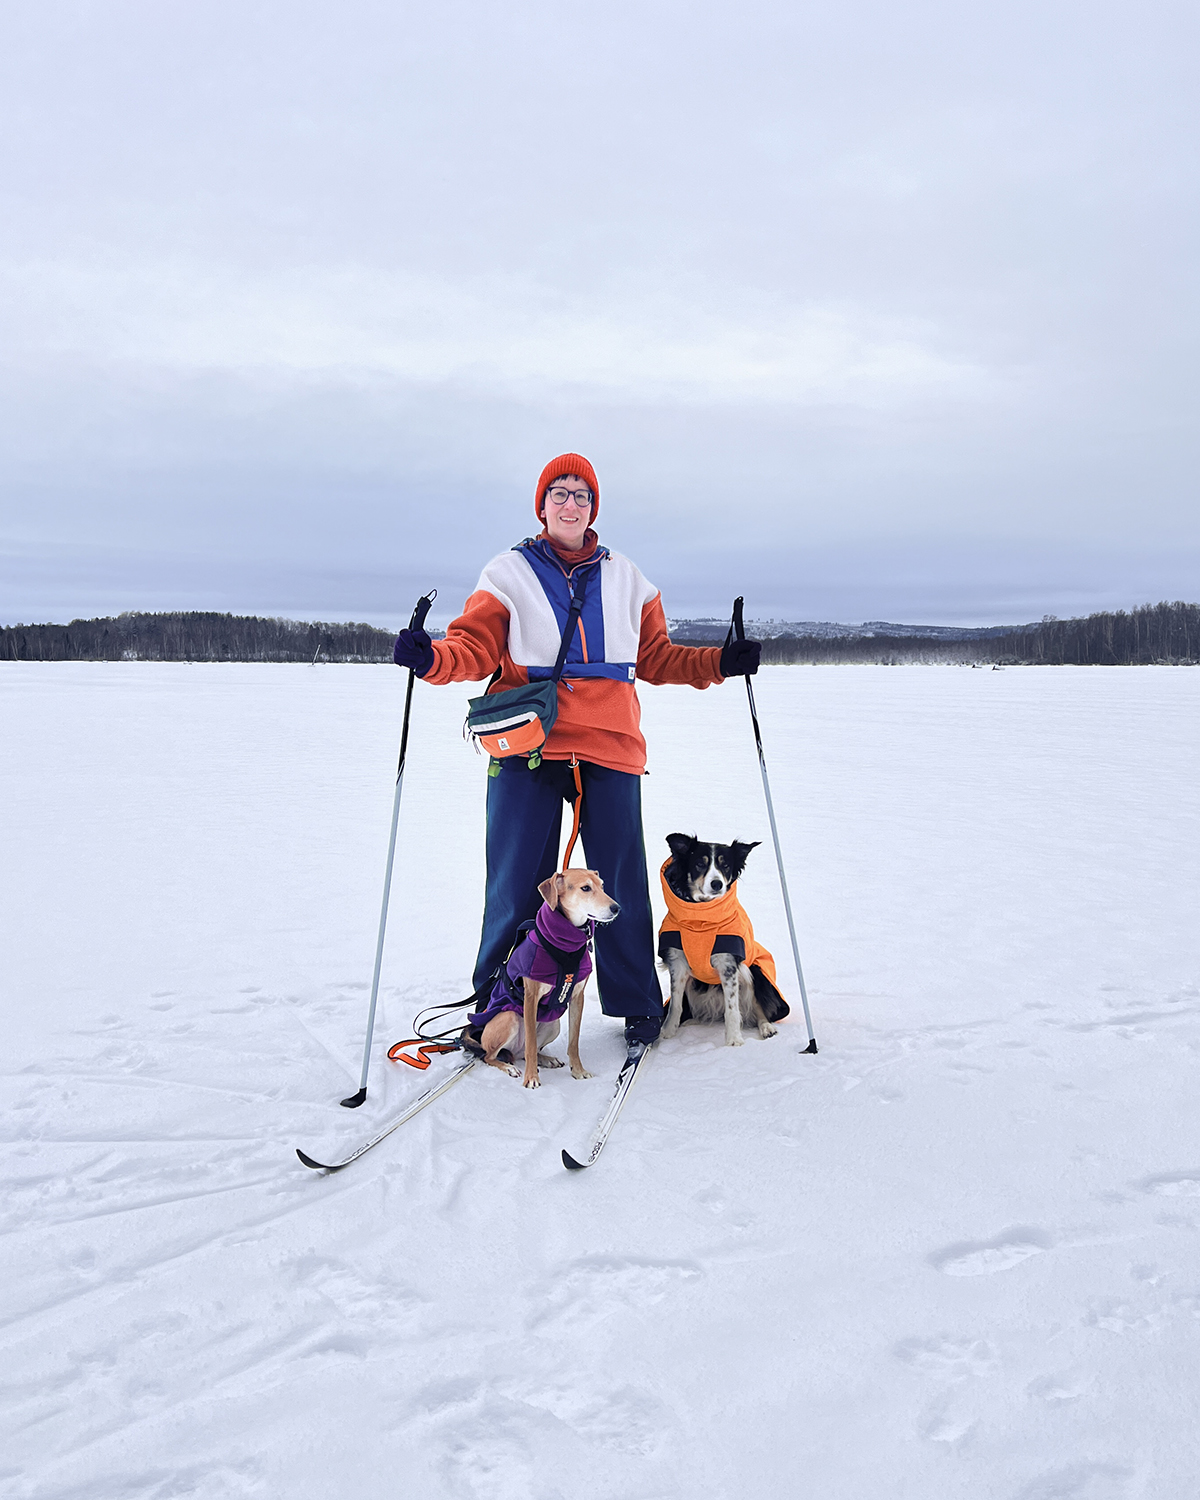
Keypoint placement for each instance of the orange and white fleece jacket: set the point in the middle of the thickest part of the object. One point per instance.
(509, 622)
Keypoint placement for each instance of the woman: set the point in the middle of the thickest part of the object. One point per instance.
(513, 624)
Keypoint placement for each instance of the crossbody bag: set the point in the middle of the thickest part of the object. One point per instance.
(519, 721)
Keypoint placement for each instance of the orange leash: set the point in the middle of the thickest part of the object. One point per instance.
(422, 1059)
(578, 810)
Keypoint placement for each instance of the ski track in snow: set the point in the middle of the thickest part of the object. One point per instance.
(954, 1253)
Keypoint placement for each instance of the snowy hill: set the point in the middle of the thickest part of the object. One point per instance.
(711, 629)
(1152, 634)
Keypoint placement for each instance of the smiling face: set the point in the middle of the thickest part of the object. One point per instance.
(567, 511)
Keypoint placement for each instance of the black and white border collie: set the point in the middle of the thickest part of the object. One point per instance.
(700, 872)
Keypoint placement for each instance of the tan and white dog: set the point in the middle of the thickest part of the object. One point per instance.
(551, 967)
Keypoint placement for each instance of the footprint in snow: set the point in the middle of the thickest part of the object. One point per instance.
(943, 1429)
(948, 1359)
(1115, 1316)
(1148, 1275)
(599, 1289)
(1172, 1184)
(628, 1419)
(1054, 1389)
(493, 1455)
(1081, 1482)
(360, 1296)
(989, 1256)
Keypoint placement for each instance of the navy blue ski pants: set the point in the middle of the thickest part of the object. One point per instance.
(524, 828)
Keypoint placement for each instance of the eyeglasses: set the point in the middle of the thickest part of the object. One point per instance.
(559, 496)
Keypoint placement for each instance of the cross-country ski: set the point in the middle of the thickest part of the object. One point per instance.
(630, 1069)
(435, 1091)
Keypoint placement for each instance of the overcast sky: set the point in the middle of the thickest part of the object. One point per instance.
(866, 310)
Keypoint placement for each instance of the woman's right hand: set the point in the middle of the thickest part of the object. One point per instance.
(414, 650)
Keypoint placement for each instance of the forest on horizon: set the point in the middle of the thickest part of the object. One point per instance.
(1166, 633)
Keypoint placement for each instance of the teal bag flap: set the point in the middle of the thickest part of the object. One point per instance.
(496, 712)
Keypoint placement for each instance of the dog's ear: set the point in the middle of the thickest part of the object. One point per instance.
(739, 854)
(550, 890)
(681, 844)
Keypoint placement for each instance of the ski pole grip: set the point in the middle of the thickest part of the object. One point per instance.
(738, 623)
(424, 604)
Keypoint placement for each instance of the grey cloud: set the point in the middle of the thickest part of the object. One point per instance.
(894, 306)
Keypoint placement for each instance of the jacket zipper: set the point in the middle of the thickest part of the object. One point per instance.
(571, 595)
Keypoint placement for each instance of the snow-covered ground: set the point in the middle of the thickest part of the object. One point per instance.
(954, 1255)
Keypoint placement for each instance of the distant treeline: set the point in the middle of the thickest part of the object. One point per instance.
(1155, 633)
(1163, 633)
(194, 637)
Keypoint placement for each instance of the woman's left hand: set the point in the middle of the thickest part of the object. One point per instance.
(740, 658)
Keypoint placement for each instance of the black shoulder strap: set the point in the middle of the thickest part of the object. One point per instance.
(569, 627)
(568, 635)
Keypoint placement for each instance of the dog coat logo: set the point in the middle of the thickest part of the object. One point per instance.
(503, 743)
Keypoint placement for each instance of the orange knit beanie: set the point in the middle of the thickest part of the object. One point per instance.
(567, 463)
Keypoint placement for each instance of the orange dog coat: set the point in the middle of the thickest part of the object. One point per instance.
(701, 923)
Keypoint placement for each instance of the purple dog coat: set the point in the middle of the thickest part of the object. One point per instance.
(531, 961)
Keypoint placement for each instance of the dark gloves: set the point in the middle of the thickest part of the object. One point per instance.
(740, 658)
(414, 649)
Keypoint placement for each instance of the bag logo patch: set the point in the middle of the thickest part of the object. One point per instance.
(503, 743)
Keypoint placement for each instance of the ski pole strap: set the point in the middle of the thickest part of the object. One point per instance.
(422, 608)
(578, 810)
(424, 1052)
(736, 623)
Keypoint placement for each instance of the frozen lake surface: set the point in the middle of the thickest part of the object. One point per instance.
(955, 1254)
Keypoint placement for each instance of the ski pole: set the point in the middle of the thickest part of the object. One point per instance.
(417, 621)
(738, 625)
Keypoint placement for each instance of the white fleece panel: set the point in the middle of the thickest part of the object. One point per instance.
(626, 593)
(534, 635)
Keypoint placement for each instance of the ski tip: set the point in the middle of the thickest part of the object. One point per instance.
(354, 1100)
(571, 1164)
(317, 1166)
